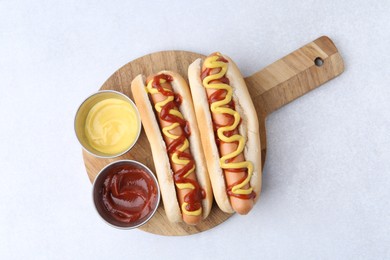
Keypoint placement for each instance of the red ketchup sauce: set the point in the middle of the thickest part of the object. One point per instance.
(218, 95)
(128, 193)
(193, 197)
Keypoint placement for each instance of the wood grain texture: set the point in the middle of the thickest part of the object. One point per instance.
(291, 77)
(270, 88)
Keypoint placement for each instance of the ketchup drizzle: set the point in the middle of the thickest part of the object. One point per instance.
(240, 196)
(194, 196)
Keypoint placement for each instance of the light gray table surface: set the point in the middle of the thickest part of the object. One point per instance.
(326, 183)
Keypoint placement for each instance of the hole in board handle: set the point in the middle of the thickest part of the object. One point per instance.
(318, 62)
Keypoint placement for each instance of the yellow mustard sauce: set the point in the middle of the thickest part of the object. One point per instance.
(217, 107)
(111, 126)
(175, 156)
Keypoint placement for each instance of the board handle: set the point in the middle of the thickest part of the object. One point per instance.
(295, 74)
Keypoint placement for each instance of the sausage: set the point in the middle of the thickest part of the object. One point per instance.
(178, 131)
(168, 118)
(230, 136)
(241, 206)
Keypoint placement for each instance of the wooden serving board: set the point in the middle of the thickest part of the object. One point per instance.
(272, 87)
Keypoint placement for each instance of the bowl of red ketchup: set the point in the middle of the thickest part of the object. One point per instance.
(126, 194)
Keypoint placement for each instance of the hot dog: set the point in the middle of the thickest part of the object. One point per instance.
(230, 132)
(167, 114)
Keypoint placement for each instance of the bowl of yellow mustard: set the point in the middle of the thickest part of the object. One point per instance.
(107, 124)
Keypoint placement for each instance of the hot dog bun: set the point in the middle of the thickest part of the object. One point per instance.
(248, 128)
(153, 125)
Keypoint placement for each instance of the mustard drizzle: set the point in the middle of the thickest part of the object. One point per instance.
(212, 62)
(175, 156)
